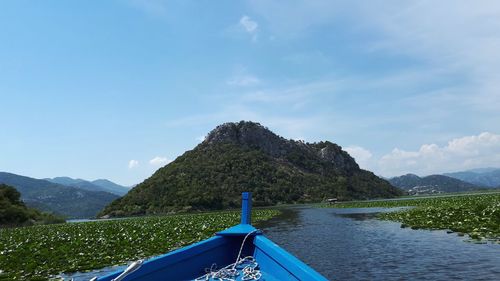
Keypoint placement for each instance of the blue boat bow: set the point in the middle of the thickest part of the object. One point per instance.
(240, 252)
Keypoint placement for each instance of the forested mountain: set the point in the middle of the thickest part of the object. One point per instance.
(431, 184)
(13, 211)
(246, 156)
(112, 187)
(489, 177)
(64, 200)
(96, 185)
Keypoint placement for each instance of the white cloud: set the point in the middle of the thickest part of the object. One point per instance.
(201, 138)
(159, 161)
(250, 26)
(463, 153)
(360, 154)
(243, 80)
(132, 164)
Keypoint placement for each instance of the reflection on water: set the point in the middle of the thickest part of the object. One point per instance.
(350, 244)
(289, 218)
(362, 214)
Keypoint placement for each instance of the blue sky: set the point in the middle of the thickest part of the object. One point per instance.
(117, 89)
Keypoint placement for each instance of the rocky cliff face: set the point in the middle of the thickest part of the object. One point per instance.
(249, 134)
(255, 135)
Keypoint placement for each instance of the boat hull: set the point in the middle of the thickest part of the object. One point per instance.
(192, 262)
(224, 249)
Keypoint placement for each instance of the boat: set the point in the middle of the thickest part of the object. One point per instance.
(241, 252)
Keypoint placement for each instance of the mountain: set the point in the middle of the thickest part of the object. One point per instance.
(111, 186)
(64, 200)
(431, 184)
(13, 211)
(97, 185)
(246, 156)
(67, 181)
(488, 177)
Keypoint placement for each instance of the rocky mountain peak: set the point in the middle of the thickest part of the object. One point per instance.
(250, 134)
(333, 153)
(255, 135)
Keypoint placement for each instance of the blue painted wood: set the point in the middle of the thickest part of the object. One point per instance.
(284, 265)
(239, 230)
(191, 262)
(246, 208)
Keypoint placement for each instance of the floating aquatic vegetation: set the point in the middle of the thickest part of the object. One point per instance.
(475, 215)
(38, 252)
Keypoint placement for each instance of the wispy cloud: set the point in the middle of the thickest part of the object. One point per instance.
(133, 164)
(241, 77)
(450, 36)
(159, 161)
(249, 26)
(243, 80)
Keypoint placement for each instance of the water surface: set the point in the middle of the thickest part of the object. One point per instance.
(351, 244)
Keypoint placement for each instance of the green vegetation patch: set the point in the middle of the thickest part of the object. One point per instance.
(212, 177)
(476, 215)
(38, 252)
(13, 211)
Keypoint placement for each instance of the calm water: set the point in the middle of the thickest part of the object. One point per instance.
(350, 244)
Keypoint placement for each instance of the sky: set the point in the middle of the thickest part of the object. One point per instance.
(117, 89)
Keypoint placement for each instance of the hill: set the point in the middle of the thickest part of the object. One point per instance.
(111, 186)
(431, 184)
(97, 185)
(488, 177)
(13, 211)
(246, 156)
(64, 200)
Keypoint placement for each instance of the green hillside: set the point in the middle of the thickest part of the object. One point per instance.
(431, 184)
(67, 201)
(245, 156)
(13, 212)
(488, 177)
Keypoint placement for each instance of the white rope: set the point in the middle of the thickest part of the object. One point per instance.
(230, 272)
(242, 244)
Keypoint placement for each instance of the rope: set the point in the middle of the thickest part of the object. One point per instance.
(230, 272)
(242, 244)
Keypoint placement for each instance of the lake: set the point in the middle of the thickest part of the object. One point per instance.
(350, 244)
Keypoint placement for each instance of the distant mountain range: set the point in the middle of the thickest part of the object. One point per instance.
(246, 156)
(69, 201)
(431, 184)
(487, 177)
(96, 185)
